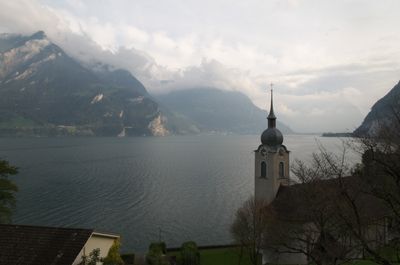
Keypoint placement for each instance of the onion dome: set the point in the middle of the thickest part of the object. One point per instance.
(271, 136)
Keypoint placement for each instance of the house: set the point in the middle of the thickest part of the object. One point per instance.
(39, 245)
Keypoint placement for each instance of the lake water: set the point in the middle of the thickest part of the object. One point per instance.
(180, 188)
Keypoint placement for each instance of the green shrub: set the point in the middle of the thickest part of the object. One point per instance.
(158, 246)
(92, 259)
(113, 256)
(156, 254)
(190, 255)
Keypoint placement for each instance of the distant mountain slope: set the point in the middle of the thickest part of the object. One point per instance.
(214, 110)
(120, 78)
(44, 91)
(382, 112)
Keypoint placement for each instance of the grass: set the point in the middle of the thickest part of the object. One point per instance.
(362, 262)
(17, 122)
(389, 252)
(230, 256)
(367, 262)
(219, 256)
(222, 256)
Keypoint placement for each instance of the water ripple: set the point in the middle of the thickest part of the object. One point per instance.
(189, 187)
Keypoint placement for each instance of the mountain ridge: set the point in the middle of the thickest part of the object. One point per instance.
(43, 90)
(46, 92)
(382, 113)
(219, 111)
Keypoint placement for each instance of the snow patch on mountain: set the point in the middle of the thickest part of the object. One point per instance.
(21, 54)
(97, 98)
(34, 66)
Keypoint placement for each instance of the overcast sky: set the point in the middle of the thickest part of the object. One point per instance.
(329, 60)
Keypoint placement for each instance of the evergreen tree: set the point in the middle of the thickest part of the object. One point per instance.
(156, 254)
(190, 254)
(113, 256)
(7, 191)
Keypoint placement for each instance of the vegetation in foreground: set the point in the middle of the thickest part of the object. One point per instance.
(113, 257)
(190, 254)
(223, 256)
(336, 212)
(7, 191)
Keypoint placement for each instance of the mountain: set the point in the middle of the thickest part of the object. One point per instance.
(43, 91)
(214, 110)
(382, 112)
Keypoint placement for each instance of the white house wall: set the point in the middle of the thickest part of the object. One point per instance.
(102, 242)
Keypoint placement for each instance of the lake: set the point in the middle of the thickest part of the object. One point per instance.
(176, 188)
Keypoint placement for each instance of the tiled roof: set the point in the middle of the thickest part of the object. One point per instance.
(35, 245)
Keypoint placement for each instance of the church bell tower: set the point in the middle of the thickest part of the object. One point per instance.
(271, 161)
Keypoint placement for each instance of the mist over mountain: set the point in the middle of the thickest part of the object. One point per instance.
(44, 91)
(383, 112)
(214, 110)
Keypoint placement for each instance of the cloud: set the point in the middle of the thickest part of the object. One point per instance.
(89, 41)
(330, 61)
(209, 73)
(25, 16)
(327, 109)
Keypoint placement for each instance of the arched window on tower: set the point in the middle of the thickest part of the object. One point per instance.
(281, 170)
(263, 169)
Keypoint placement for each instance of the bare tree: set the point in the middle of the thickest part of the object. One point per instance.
(249, 227)
(329, 215)
(348, 211)
(306, 220)
(380, 176)
(381, 165)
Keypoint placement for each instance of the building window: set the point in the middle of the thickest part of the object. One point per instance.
(263, 169)
(281, 170)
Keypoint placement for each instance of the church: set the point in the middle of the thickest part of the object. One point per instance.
(271, 161)
(272, 172)
(274, 187)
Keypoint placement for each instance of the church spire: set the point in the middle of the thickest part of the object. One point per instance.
(271, 117)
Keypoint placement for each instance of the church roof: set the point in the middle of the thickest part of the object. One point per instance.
(271, 136)
(299, 201)
(35, 245)
(271, 114)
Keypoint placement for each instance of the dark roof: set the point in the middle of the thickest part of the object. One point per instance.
(298, 201)
(272, 137)
(35, 245)
(271, 114)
